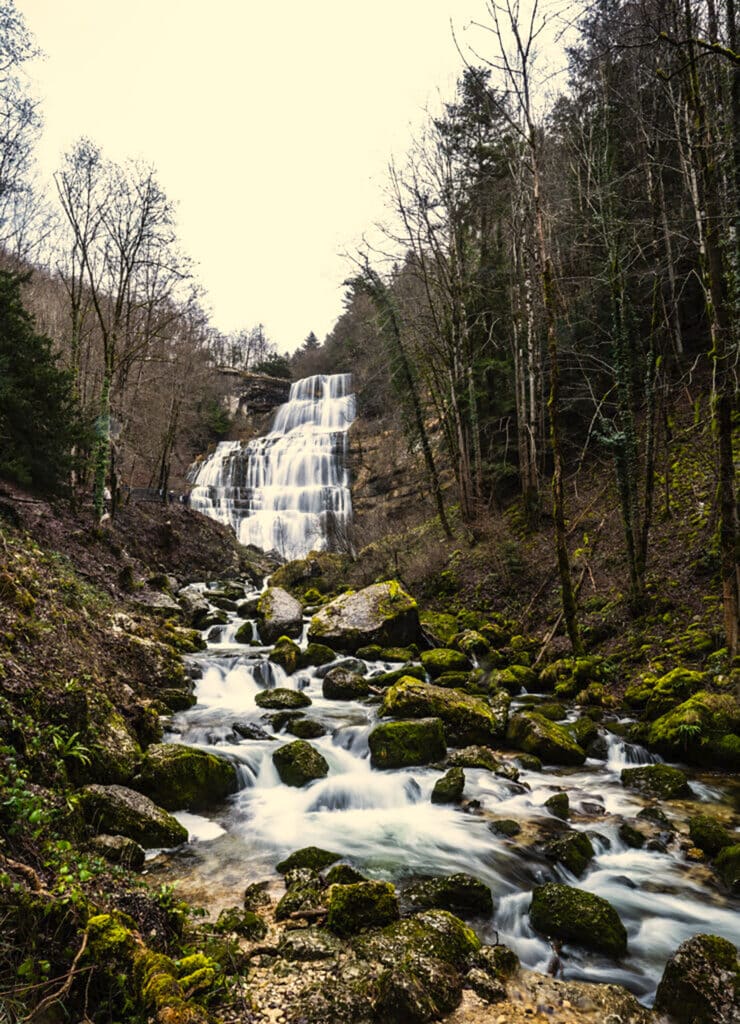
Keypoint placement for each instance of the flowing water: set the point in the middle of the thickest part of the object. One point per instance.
(287, 491)
(386, 823)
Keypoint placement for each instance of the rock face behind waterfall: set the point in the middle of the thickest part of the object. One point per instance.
(382, 614)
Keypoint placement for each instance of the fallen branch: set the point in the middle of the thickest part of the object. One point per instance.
(30, 874)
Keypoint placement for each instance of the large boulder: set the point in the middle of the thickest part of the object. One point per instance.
(352, 908)
(184, 778)
(405, 744)
(298, 763)
(574, 915)
(705, 730)
(116, 810)
(279, 614)
(537, 735)
(382, 614)
(701, 982)
(467, 720)
(657, 780)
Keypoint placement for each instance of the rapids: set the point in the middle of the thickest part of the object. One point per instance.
(289, 490)
(385, 823)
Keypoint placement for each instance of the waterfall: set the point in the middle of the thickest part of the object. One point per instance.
(289, 490)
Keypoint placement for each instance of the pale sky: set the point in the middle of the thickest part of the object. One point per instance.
(271, 125)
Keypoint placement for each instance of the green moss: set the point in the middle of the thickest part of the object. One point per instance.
(449, 789)
(709, 834)
(386, 679)
(178, 777)
(287, 654)
(282, 699)
(404, 744)
(727, 866)
(245, 633)
(657, 780)
(352, 908)
(298, 763)
(440, 625)
(701, 982)
(536, 735)
(459, 893)
(559, 805)
(308, 857)
(702, 730)
(241, 922)
(574, 915)
(467, 719)
(573, 850)
(433, 933)
(671, 690)
(505, 827)
(316, 654)
(442, 659)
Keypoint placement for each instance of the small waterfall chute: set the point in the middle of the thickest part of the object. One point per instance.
(289, 490)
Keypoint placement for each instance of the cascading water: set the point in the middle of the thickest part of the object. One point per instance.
(287, 491)
(385, 822)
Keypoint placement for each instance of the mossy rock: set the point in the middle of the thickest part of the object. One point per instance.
(701, 982)
(433, 933)
(304, 893)
(453, 680)
(709, 834)
(470, 642)
(316, 655)
(516, 678)
(381, 614)
(671, 690)
(353, 908)
(371, 652)
(120, 850)
(704, 730)
(184, 778)
(460, 893)
(308, 857)
(559, 805)
(529, 762)
(467, 720)
(340, 684)
(403, 654)
(727, 866)
(440, 627)
(638, 692)
(584, 731)
(118, 811)
(534, 734)
(245, 923)
(298, 763)
(405, 744)
(505, 827)
(114, 753)
(474, 757)
(449, 789)
(343, 874)
(245, 633)
(282, 699)
(573, 850)
(443, 659)
(552, 710)
(287, 654)
(305, 728)
(279, 614)
(631, 836)
(657, 780)
(562, 912)
(385, 679)
(569, 676)
(307, 945)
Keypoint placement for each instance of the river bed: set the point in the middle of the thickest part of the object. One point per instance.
(385, 823)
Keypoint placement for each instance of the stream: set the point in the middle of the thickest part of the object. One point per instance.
(386, 824)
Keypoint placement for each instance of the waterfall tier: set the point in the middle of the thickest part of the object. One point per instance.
(287, 491)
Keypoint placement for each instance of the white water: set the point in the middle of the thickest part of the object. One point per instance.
(386, 823)
(287, 491)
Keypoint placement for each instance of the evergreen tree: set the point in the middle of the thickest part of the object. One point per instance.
(39, 420)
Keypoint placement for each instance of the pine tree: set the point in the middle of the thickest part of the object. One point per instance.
(39, 420)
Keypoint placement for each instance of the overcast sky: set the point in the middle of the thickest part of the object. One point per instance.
(271, 125)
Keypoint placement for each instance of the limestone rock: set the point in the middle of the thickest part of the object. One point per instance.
(279, 614)
(382, 614)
